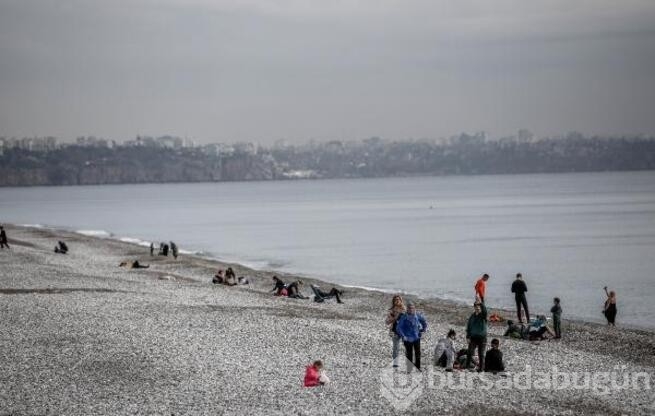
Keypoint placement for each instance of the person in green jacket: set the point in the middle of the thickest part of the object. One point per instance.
(476, 334)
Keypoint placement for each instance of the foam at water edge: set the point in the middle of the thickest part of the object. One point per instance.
(32, 225)
(136, 241)
(94, 233)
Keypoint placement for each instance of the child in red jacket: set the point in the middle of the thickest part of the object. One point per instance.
(314, 375)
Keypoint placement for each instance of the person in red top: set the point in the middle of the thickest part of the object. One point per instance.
(314, 375)
(481, 287)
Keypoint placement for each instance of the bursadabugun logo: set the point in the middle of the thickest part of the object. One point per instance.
(402, 385)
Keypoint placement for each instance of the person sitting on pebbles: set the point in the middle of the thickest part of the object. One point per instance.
(315, 375)
(280, 287)
(444, 352)
(493, 361)
(133, 264)
(62, 248)
(293, 290)
(539, 328)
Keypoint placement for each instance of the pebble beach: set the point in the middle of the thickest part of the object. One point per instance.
(80, 335)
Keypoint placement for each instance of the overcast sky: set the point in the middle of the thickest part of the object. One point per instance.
(248, 70)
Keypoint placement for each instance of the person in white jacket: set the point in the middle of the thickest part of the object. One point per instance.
(444, 352)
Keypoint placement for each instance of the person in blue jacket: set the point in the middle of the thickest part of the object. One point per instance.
(410, 327)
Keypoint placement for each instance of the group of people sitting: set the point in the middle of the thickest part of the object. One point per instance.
(61, 247)
(292, 290)
(228, 278)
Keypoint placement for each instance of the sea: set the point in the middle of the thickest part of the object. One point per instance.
(568, 234)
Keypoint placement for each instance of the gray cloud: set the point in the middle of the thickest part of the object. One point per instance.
(255, 70)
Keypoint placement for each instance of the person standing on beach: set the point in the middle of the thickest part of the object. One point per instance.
(174, 250)
(152, 249)
(610, 307)
(481, 287)
(556, 310)
(3, 238)
(518, 289)
(396, 310)
(410, 327)
(476, 334)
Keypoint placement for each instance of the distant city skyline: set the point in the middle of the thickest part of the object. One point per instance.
(261, 71)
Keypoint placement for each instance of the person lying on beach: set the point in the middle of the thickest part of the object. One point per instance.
(62, 248)
(320, 296)
(444, 352)
(133, 264)
(315, 375)
(293, 290)
(493, 361)
(280, 287)
(538, 329)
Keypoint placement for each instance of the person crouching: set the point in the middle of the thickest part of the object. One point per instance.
(444, 352)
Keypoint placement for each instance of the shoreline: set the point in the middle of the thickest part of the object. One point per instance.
(82, 335)
(138, 242)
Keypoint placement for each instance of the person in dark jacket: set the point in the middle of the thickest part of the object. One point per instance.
(476, 334)
(518, 289)
(279, 286)
(320, 296)
(411, 325)
(3, 238)
(556, 310)
(610, 307)
(62, 248)
(493, 361)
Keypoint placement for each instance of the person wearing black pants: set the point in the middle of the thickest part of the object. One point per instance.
(519, 288)
(413, 352)
(410, 327)
(3, 238)
(476, 334)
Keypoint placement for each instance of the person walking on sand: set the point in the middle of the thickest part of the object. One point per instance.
(411, 325)
(481, 287)
(396, 310)
(3, 238)
(556, 310)
(518, 289)
(476, 334)
(610, 307)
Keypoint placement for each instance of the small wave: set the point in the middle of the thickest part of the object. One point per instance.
(32, 225)
(94, 233)
(136, 241)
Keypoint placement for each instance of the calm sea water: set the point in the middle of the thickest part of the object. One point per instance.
(569, 234)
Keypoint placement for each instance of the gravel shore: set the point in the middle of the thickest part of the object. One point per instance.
(80, 335)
